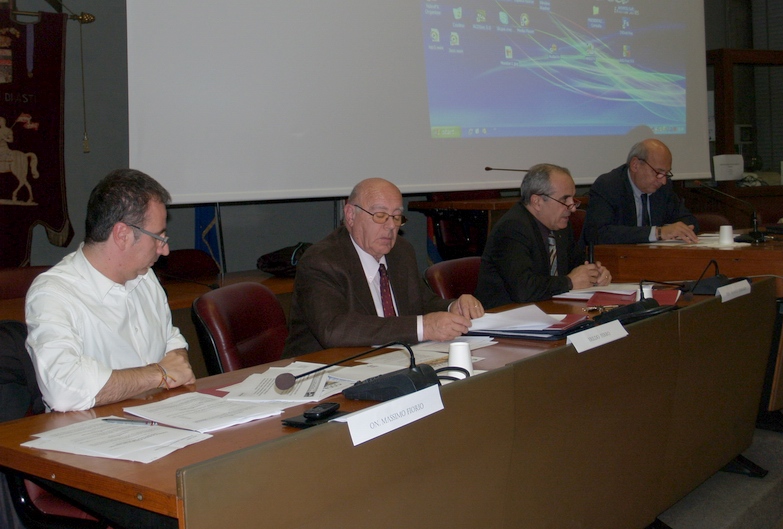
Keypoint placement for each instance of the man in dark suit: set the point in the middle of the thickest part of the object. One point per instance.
(617, 213)
(339, 298)
(531, 254)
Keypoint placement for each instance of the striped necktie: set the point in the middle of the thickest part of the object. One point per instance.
(645, 211)
(552, 254)
(386, 295)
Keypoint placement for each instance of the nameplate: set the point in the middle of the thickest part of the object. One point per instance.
(596, 336)
(388, 416)
(733, 290)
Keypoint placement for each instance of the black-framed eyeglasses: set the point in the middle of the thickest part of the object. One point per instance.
(381, 216)
(573, 206)
(162, 241)
(658, 172)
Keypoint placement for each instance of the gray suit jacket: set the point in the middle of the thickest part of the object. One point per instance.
(332, 305)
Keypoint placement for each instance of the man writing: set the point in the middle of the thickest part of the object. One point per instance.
(361, 286)
(99, 325)
(636, 203)
(531, 254)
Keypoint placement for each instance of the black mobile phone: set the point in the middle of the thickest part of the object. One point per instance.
(322, 411)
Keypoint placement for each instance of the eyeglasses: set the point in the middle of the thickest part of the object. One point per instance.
(381, 216)
(573, 206)
(658, 172)
(162, 241)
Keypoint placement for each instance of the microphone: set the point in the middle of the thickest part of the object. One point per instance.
(705, 287)
(383, 387)
(755, 235)
(500, 169)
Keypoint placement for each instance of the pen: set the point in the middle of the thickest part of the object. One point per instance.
(134, 422)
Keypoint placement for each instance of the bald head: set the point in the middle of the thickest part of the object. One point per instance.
(372, 196)
(648, 163)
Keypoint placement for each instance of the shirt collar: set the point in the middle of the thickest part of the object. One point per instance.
(100, 282)
(369, 264)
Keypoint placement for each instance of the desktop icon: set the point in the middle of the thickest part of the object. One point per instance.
(596, 11)
(524, 20)
(503, 16)
(481, 15)
(434, 35)
(509, 52)
(454, 39)
(626, 50)
(457, 13)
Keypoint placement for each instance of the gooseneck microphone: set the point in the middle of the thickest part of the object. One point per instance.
(755, 235)
(383, 387)
(500, 169)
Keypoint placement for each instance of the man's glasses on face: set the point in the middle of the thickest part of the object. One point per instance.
(380, 217)
(659, 173)
(162, 241)
(573, 206)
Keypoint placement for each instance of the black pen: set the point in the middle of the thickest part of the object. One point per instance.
(590, 253)
(134, 422)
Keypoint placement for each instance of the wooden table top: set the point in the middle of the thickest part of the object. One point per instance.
(153, 486)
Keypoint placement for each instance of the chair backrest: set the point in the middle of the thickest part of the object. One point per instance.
(189, 263)
(711, 221)
(14, 282)
(451, 279)
(239, 325)
(577, 220)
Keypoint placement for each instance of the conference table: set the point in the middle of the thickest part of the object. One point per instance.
(546, 437)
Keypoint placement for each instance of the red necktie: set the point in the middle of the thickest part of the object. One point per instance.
(386, 295)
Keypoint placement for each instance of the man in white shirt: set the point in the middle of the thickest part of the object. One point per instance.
(99, 326)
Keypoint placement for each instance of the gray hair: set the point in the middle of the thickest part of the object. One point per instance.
(536, 181)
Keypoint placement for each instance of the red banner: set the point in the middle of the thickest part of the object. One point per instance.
(32, 169)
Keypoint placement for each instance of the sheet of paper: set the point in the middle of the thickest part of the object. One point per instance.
(587, 293)
(260, 387)
(131, 442)
(204, 413)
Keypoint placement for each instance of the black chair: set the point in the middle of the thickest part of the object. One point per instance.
(36, 507)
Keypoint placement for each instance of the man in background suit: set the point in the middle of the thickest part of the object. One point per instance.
(518, 265)
(616, 212)
(338, 298)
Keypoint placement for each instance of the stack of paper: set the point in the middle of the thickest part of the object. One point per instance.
(129, 441)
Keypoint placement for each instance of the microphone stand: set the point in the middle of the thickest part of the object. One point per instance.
(755, 235)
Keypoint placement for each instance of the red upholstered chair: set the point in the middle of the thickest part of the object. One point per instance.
(711, 222)
(239, 325)
(451, 279)
(189, 263)
(14, 282)
(577, 220)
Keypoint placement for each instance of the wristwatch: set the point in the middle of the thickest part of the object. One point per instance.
(658, 232)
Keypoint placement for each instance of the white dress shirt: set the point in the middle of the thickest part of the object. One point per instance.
(371, 266)
(82, 325)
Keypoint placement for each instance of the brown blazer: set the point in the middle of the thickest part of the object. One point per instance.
(332, 305)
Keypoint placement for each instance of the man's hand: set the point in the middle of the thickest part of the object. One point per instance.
(443, 326)
(468, 306)
(679, 230)
(177, 368)
(589, 275)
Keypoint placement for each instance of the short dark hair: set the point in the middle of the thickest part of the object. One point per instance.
(536, 181)
(121, 196)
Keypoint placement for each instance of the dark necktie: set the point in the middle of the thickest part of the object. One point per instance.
(552, 254)
(645, 211)
(386, 295)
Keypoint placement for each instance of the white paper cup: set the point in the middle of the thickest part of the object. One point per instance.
(460, 356)
(726, 235)
(648, 292)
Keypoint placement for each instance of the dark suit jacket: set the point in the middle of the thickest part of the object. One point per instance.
(332, 305)
(611, 212)
(515, 264)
